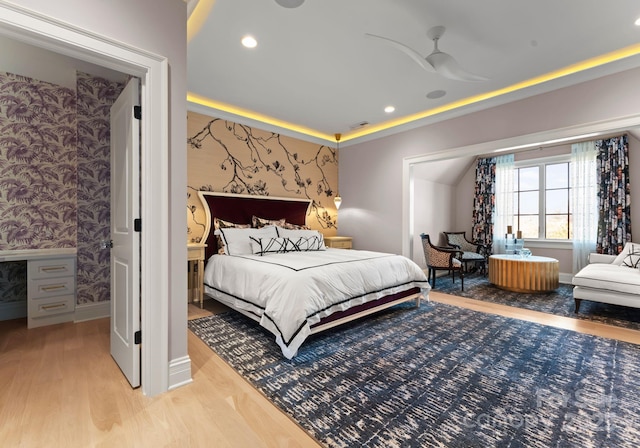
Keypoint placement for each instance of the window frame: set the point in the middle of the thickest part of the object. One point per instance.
(541, 164)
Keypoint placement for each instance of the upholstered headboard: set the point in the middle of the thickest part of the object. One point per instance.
(240, 208)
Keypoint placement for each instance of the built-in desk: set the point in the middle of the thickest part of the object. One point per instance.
(51, 284)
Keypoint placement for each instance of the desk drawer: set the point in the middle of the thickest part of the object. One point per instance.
(59, 267)
(51, 306)
(51, 287)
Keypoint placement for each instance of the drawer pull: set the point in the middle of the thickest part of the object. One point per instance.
(53, 287)
(53, 307)
(54, 268)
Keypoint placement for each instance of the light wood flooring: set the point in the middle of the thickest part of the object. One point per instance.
(59, 387)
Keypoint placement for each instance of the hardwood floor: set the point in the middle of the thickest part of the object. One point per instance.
(60, 388)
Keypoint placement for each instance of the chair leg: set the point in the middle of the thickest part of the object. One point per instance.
(578, 302)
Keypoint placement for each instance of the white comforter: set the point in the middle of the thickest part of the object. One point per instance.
(289, 292)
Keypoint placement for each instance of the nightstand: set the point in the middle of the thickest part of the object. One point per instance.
(195, 260)
(339, 242)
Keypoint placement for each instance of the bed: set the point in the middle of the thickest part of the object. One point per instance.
(282, 276)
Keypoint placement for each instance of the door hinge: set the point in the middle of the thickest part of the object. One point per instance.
(137, 112)
(137, 225)
(137, 337)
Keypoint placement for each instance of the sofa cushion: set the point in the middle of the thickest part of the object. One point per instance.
(609, 277)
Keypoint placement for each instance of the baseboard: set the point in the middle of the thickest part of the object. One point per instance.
(13, 310)
(90, 311)
(566, 278)
(179, 372)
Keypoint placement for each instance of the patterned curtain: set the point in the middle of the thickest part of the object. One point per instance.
(614, 223)
(484, 202)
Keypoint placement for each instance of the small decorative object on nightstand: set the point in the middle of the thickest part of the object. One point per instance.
(339, 242)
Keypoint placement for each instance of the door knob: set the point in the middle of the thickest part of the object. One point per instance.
(106, 244)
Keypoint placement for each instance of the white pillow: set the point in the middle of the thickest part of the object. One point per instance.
(629, 249)
(297, 233)
(238, 241)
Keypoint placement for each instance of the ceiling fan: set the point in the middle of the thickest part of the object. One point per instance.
(442, 63)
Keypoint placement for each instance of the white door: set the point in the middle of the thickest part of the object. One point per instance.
(125, 252)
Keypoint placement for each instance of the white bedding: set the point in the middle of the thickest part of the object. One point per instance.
(289, 292)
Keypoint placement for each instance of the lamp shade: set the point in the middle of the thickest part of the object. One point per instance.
(337, 200)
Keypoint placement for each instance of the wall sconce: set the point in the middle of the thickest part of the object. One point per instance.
(338, 200)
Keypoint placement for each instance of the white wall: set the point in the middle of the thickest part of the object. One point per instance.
(463, 203)
(159, 27)
(433, 213)
(44, 65)
(371, 172)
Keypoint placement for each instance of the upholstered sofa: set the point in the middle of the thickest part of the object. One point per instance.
(611, 279)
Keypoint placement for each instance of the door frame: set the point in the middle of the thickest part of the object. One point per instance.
(42, 31)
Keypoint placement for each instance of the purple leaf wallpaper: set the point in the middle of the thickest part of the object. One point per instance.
(54, 177)
(95, 97)
(38, 164)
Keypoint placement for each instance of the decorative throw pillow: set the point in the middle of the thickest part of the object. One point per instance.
(238, 241)
(261, 222)
(222, 224)
(307, 243)
(263, 246)
(633, 259)
(290, 226)
(629, 249)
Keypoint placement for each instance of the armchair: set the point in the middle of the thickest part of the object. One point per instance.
(440, 258)
(471, 252)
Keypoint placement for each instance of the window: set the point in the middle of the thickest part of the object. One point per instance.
(541, 199)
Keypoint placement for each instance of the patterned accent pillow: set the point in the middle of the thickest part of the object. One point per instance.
(222, 224)
(633, 259)
(262, 246)
(304, 244)
(261, 222)
(289, 226)
(279, 245)
(628, 249)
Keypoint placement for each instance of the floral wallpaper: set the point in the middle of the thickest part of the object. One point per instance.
(95, 97)
(233, 158)
(54, 176)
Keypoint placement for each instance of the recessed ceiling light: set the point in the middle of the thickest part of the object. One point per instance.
(435, 94)
(249, 42)
(637, 22)
(290, 3)
(389, 109)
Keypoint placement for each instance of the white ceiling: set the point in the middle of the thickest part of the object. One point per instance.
(314, 68)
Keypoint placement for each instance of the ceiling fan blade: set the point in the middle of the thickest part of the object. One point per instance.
(447, 66)
(417, 57)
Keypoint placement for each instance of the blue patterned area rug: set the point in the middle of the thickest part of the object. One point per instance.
(559, 302)
(442, 376)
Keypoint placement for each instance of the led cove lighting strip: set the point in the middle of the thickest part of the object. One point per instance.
(617, 55)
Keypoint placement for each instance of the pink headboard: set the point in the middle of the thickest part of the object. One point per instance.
(240, 208)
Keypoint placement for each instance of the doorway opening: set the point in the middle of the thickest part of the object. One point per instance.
(25, 26)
